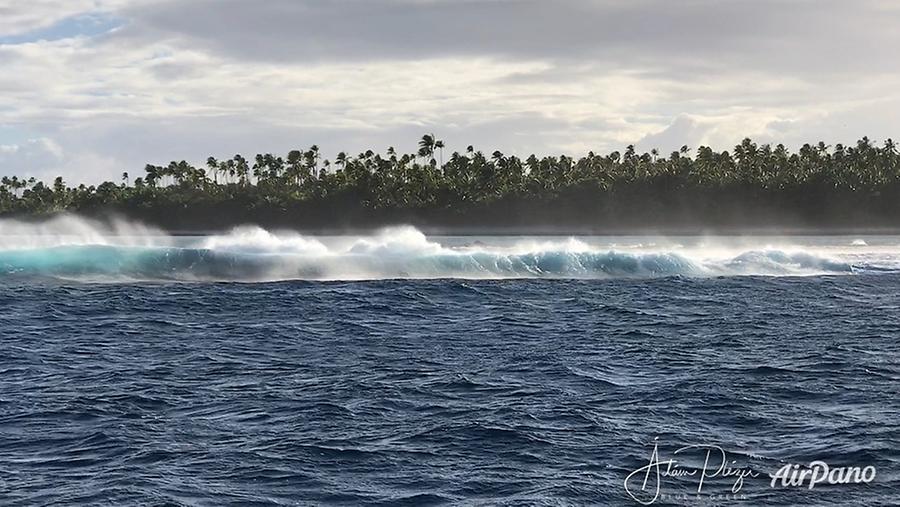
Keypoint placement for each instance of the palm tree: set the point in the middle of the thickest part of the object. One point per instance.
(213, 166)
(314, 149)
(439, 144)
(341, 160)
(241, 169)
(426, 147)
(295, 166)
(153, 174)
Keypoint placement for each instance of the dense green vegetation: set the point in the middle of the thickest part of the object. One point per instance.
(752, 186)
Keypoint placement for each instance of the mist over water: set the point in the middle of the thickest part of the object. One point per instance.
(71, 247)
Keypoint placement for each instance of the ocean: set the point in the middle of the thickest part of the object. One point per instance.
(271, 368)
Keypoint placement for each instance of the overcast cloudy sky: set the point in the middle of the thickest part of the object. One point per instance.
(91, 88)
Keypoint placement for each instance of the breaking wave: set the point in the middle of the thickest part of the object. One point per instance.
(74, 248)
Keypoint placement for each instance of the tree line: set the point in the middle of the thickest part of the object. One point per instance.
(751, 185)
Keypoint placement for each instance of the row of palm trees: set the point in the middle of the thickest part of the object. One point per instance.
(425, 181)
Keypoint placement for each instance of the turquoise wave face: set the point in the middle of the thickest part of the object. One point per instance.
(139, 263)
(71, 247)
(74, 260)
(187, 264)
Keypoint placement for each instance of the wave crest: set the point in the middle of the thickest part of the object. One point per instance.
(70, 247)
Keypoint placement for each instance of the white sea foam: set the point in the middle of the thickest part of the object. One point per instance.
(256, 240)
(74, 247)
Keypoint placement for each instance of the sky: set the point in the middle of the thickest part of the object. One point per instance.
(93, 88)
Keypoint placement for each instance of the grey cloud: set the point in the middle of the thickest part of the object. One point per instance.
(823, 36)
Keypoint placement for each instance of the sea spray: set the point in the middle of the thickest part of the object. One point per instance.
(74, 248)
(68, 230)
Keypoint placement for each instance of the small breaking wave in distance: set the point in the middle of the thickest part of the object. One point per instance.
(70, 247)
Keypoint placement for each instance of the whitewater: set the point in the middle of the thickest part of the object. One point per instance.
(70, 247)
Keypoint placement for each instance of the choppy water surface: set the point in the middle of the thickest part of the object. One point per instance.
(541, 389)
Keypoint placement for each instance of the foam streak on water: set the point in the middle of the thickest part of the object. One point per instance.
(71, 247)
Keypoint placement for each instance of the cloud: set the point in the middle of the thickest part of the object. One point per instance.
(684, 131)
(38, 154)
(814, 36)
(186, 79)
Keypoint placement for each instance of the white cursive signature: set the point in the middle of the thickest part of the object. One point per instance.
(715, 464)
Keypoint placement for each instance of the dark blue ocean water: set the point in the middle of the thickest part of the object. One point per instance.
(540, 392)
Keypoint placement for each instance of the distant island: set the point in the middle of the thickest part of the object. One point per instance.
(754, 186)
